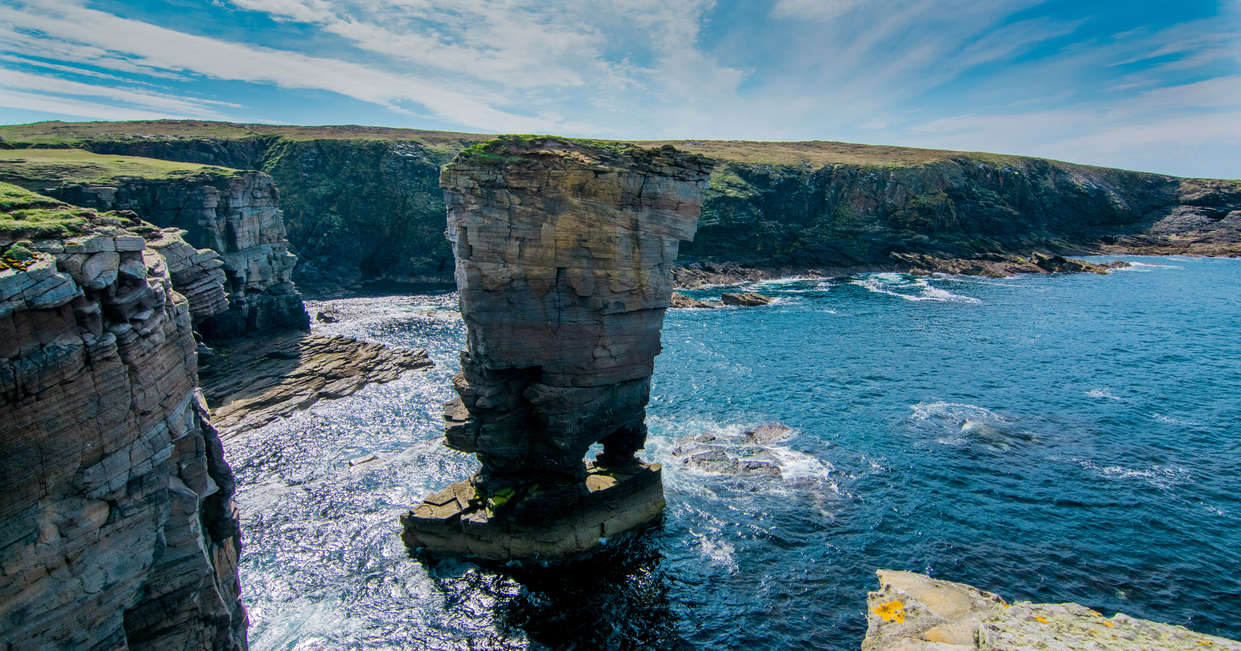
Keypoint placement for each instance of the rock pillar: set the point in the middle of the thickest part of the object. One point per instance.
(564, 254)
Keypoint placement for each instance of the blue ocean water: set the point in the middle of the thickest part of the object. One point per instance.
(1052, 438)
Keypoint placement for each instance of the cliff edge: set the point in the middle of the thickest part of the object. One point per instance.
(117, 527)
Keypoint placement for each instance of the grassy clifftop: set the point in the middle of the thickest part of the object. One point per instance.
(76, 134)
(814, 153)
(38, 168)
(28, 215)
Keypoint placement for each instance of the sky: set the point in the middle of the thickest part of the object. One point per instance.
(1148, 85)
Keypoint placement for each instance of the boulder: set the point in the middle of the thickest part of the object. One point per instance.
(680, 300)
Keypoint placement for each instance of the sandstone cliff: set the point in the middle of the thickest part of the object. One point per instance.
(781, 207)
(236, 215)
(117, 525)
(841, 215)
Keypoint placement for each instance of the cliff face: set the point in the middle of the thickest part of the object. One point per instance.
(382, 198)
(117, 526)
(354, 209)
(234, 215)
(844, 215)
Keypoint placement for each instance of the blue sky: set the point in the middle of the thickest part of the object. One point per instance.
(1137, 84)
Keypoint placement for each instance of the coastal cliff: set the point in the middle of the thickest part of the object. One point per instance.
(231, 218)
(770, 208)
(564, 255)
(117, 527)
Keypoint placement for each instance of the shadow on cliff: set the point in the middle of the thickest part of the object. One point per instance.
(614, 599)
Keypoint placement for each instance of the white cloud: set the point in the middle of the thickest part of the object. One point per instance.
(821, 10)
(172, 104)
(151, 46)
(63, 106)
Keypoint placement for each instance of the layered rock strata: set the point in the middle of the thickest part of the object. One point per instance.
(564, 255)
(913, 611)
(117, 525)
(252, 382)
(235, 215)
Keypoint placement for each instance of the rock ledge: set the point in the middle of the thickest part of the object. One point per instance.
(913, 611)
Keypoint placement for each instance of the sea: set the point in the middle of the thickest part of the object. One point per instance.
(1063, 437)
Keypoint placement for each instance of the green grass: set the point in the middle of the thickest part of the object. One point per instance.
(43, 167)
(74, 134)
(28, 215)
(807, 153)
(817, 153)
(496, 150)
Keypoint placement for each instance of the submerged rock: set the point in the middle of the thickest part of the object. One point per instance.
(564, 254)
(914, 611)
(744, 453)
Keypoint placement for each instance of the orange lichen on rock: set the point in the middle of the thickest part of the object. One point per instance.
(891, 611)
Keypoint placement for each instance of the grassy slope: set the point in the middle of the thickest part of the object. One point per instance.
(42, 167)
(25, 214)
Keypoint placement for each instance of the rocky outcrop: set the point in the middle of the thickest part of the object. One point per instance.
(564, 256)
(913, 611)
(681, 301)
(744, 299)
(999, 265)
(254, 381)
(117, 526)
(196, 274)
(235, 215)
(1205, 221)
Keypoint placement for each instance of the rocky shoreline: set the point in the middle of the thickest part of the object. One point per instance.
(913, 611)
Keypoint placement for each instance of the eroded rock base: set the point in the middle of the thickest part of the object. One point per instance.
(913, 611)
(524, 525)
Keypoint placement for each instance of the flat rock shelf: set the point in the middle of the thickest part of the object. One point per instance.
(460, 521)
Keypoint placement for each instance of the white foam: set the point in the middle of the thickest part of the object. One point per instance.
(910, 289)
(1103, 393)
(1158, 476)
(960, 411)
(718, 552)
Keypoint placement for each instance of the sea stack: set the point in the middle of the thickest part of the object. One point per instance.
(564, 252)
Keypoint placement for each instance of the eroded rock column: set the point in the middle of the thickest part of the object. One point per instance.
(564, 253)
